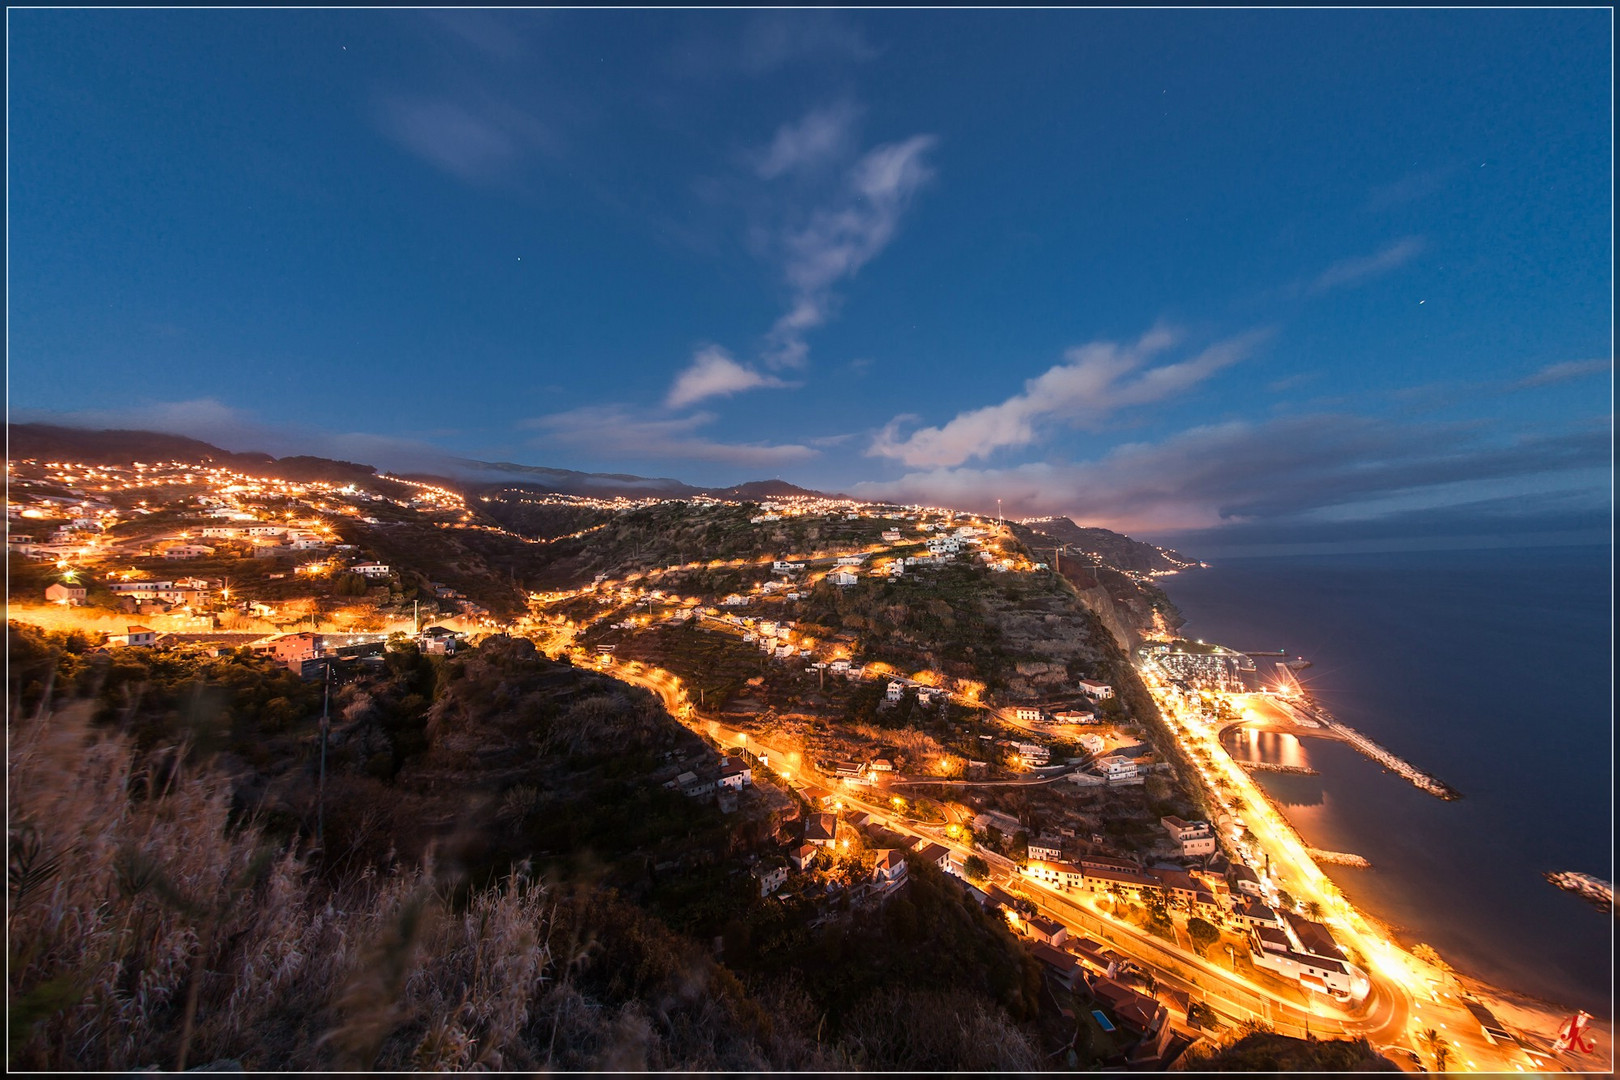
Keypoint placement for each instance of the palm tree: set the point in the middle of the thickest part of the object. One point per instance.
(1437, 1045)
(1313, 910)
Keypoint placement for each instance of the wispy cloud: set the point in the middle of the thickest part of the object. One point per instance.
(844, 234)
(771, 42)
(1409, 188)
(1354, 271)
(714, 373)
(479, 140)
(1283, 468)
(1564, 372)
(1095, 381)
(774, 40)
(621, 433)
(820, 138)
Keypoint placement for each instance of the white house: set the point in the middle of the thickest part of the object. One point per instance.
(733, 601)
(891, 536)
(1050, 931)
(944, 545)
(1075, 717)
(1033, 753)
(894, 692)
(187, 551)
(1116, 768)
(142, 636)
(891, 865)
(851, 560)
(783, 567)
(1195, 837)
(1092, 744)
(371, 569)
(67, 595)
(1027, 714)
(1045, 850)
(770, 878)
(1098, 690)
(843, 575)
(839, 667)
(1060, 875)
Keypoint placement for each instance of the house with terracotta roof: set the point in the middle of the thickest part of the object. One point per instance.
(138, 636)
(821, 829)
(891, 865)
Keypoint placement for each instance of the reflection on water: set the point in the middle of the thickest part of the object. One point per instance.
(1275, 747)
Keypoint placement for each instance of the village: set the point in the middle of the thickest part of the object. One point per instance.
(1019, 774)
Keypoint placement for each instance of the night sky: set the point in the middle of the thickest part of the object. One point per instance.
(1238, 277)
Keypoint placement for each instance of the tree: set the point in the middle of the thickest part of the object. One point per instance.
(1313, 910)
(1436, 1044)
(1203, 934)
(976, 868)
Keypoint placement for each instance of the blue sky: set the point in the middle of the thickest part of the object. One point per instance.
(1227, 275)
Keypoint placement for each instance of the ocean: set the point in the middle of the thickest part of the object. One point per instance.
(1490, 670)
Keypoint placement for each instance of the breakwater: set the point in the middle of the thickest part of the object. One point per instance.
(1593, 889)
(1339, 858)
(1307, 710)
(1277, 766)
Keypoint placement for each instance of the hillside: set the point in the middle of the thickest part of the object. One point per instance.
(1112, 548)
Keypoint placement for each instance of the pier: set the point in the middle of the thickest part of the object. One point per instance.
(1301, 717)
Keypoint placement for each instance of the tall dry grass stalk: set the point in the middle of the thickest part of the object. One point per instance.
(145, 929)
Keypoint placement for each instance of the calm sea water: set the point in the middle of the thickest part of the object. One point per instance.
(1488, 669)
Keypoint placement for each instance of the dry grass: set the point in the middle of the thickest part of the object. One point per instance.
(145, 930)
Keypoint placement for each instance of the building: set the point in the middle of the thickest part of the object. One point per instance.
(694, 786)
(783, 567)
(891, 536)
(891, 865)
(371, 569)
(1195, 837)
(1070, 717)
(769, 877)
(1115, 768)
(1135, 1012)
(439, 641)
(1006, 824)
(1098, 690)
(1311, 957)
(1062, 966)
(938, 855)
(1092, 744)
(138, 636)
(1046, 849)
(800, 855)
(1059, 875)
(821, 830)
(1245, 880)
(1049, 931)
(844, 575)
(894, 692)
(1027, 714)
(1033, 753)
(1254, 913)
(1131, 883)
(187, 551)
(734, 774)
(68, 595)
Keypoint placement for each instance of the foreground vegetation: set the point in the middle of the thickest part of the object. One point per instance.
(478, 894)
